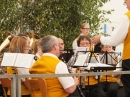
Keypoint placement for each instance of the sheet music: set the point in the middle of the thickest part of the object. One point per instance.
(78, 49)
(9, 59)
(90, 65)
(81, 59)
(18, 60)
(24, 60)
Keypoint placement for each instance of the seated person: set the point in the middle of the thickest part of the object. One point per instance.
(109, 83)
(50, 64)
(91, 88)
(23, 45)
(61, 47)
(84, 30)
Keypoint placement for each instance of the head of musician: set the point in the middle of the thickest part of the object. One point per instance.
(84, 28)
(84, 41)
(61, 45)
(106, 48)
(20, 44)
(49, 44)
(37, 48)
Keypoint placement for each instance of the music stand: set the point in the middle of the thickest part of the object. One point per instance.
(91, 57)
(80, 57)
(108, 59)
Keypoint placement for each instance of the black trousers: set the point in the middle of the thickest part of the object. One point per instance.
(22, 96)
(121, 92)
(89, 91)
(1, 90)
(110, 87)
(125, 78)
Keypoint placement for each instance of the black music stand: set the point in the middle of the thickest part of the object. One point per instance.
(91, 54)
(105, 59)
(85, 50)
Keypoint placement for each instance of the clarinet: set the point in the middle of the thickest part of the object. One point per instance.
(79, 89)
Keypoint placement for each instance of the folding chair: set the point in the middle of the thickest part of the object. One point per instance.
(6, 83)
(37, 84)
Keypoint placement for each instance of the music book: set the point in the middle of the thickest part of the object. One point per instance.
(18, 60)
(81, 59)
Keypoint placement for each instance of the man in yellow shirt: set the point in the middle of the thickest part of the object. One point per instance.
(49, 63)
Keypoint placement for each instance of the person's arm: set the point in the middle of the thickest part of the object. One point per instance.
(71, 89)
(69, 83)
(119, 34)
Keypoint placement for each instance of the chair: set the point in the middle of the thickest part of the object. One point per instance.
(6, 83)
(34, 84)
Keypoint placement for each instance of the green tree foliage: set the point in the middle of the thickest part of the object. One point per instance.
(52, 17)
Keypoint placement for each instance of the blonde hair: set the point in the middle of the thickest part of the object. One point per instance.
(82, 25)
(36, 43)
(18, 44)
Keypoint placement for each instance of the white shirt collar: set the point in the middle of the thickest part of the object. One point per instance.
(38, 55)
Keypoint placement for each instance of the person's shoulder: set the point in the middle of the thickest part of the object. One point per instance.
(125, 16)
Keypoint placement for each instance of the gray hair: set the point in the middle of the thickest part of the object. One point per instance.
(47, 43)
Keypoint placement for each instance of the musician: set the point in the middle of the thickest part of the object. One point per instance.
(61, 47)
(19, 44)
(91, 88)
(84, 30)
(50, 64)
(37, 48)
(109, 83)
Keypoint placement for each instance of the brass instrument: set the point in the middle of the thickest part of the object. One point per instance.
(33, 38)
(3, 45)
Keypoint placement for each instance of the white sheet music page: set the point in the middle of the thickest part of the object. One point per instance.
(90, 65)
(9, 59)
(24, 60)
(81, 59)
(82, 49)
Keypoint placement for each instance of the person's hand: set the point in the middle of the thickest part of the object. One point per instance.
(96, 39)
(76, 81)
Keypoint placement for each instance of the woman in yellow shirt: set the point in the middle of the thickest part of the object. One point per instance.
(109, 83)
(19, 44)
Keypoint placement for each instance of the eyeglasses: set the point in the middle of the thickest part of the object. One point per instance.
(124, 2)
(86, 28)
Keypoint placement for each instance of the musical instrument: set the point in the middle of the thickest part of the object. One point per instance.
(33, 38)
(5, 43)
(62, 58)
(71, 61)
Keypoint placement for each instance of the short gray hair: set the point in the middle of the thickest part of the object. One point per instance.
(47, 43)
